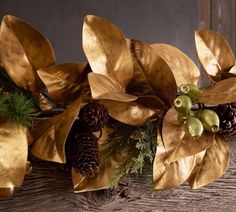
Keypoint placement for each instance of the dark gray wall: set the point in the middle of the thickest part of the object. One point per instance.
(167, 21)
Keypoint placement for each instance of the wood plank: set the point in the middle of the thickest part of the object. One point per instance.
(205, 14)
(49, 188)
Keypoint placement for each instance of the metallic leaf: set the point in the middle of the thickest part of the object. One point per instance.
(129, 112)
(233, 70)
(152, 75)
(66, 82)
(214, 53)
(23, 50)
(6, 192)
(168, 175)
(103, 88)
(182, 67)
(220, 93)
(13, 151)
(178, 143)
(50, 136)
(212, 164)
(106, 50)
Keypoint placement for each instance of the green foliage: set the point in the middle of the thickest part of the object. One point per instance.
(16, 104)
(136, 144)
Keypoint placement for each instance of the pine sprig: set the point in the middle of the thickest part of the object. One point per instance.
(136, 144)
(20, 109)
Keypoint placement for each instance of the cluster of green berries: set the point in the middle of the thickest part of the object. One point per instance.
(195, 121)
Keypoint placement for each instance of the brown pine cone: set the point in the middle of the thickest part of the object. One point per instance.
(82, 152)
(93, 116)
(227, 116)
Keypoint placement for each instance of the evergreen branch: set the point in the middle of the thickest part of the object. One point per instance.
(20, 109)
(136, 144)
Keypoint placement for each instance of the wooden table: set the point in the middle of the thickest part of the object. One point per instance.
(49, 188)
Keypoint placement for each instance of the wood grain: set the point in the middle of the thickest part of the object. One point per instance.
(49, 188)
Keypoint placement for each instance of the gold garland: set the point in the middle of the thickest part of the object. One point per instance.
(137, 82)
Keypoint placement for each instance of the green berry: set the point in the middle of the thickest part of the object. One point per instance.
(191, 91)
(184, 117)
(183, 104)
(194, 127)
(209, 119)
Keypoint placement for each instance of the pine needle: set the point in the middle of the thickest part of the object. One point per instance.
(139, 150)
(20, 109)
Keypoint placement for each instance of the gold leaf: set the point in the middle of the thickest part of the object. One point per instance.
(226, 75)
(182, 67)
(13, 151)
(6, 192)
(129, 112)
(233, 70)
(178, 143)
(212, 165)
(152, 75)
(220, 93)
(50, 136)
(23, 50)
(66, 82)
(168, 175)
(103, 88)
(214, 53)
(44, 102)
(106, 171)
(106, 50)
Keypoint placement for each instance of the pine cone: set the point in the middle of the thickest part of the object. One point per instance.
(93, 116)
(227, 116)
(82, 152)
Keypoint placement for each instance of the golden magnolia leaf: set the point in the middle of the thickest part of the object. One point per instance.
(220, 93)
(233, 70)
(50, 136)
(152, 75)
(214, 53)
(168, 175)
(213, 164)
(106, 171)
(6, 192)
(182, 67)
(226, 75)
(66, 82)
(44, 102)
(99, 181)
(103, 88)
(23, 50)
(13, 151)
(129, 112)
(177, 142)
(106, 50)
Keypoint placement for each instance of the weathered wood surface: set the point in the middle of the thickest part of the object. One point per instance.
(49, 188)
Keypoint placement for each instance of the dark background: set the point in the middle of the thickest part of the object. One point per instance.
(166, 21)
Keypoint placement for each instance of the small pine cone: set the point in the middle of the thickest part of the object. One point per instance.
(93, 116)
(82, 153)
(227, 116)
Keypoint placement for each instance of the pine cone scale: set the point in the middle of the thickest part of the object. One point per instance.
(227, 116)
